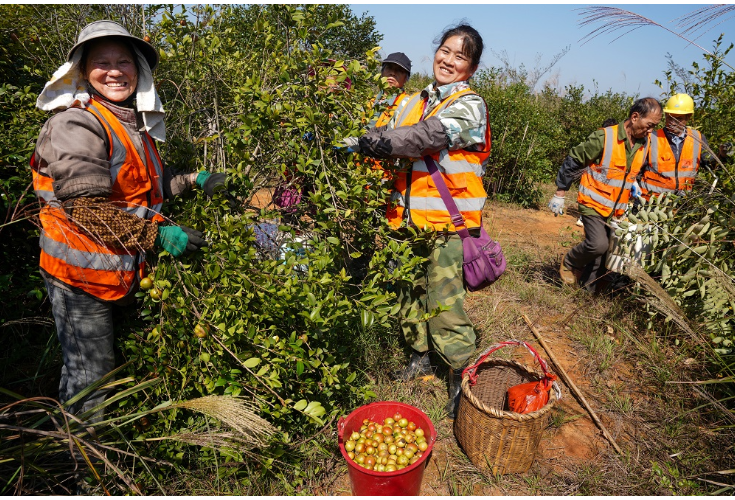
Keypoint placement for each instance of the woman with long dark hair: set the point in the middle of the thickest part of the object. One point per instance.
(449, 122)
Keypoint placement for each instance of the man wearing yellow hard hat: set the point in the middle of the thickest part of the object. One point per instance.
(676, 151)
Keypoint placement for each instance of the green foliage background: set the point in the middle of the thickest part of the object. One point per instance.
(300, 332)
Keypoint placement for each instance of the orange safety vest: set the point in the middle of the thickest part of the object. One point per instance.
(664, 174)
(383, 119)
(79, 260)
(387, 114)
(462, 171)
(606, 185)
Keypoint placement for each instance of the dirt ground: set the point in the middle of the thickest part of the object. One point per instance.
(566, 447)
(591, 342)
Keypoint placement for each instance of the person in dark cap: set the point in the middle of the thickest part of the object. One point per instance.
(396, 69)
(101, 185)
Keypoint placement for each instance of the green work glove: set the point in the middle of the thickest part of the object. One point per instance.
(178, 240)
(211, 183)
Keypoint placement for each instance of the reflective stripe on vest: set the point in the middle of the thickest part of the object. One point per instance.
(386, 115)
(43, 185)
(79, 260)
(663, 173)
(382, 120)
(152, 157)
(605, 187)
(87, 260)
(461, 170)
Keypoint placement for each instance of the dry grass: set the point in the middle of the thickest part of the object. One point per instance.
(238, 413)
(622, 371)
(45, 449)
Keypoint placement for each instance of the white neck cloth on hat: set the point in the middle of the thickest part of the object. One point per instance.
(67, 88)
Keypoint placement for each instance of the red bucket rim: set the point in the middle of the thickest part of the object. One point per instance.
(400, 472)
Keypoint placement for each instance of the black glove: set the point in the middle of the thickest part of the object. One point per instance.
(195, 241)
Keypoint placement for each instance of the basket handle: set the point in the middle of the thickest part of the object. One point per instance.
(471, 371)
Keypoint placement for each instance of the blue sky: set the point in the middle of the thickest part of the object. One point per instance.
(629, 64)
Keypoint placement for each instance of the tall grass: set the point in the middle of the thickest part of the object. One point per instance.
(46, 449)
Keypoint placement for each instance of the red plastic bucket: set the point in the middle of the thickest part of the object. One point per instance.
(406, 481)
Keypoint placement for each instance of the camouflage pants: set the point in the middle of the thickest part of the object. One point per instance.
(440, 282)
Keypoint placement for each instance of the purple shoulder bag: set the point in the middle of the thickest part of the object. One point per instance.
(484, 261)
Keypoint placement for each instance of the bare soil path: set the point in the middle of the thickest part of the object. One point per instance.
(595, 340)
(573, 441)
(541, 234)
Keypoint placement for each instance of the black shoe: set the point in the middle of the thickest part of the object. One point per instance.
(455, 392)
(418, 366)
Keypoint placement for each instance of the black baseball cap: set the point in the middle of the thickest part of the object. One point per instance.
(400, 59)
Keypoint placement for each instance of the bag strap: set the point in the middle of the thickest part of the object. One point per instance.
(457, 218)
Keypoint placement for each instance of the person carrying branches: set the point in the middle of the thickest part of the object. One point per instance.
(607, 123)
(610, 159)
(101, 184)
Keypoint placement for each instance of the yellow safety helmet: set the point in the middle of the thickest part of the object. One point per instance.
(680, 104)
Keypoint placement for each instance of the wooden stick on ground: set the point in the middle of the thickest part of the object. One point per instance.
(571, 385)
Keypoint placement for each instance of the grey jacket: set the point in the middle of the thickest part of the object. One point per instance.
(73, 149)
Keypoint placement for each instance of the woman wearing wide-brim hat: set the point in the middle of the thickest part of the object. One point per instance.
(101, 184)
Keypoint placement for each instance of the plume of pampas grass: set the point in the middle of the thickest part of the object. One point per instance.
(237, 413)
(613, 19)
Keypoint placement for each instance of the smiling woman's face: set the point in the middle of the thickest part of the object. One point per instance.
(450, 63)
(110, 69)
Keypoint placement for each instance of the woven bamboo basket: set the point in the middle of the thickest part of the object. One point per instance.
(494, 439)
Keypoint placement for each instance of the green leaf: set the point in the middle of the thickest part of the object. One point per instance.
(251, 362)
(314, 410)
(367, 318)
